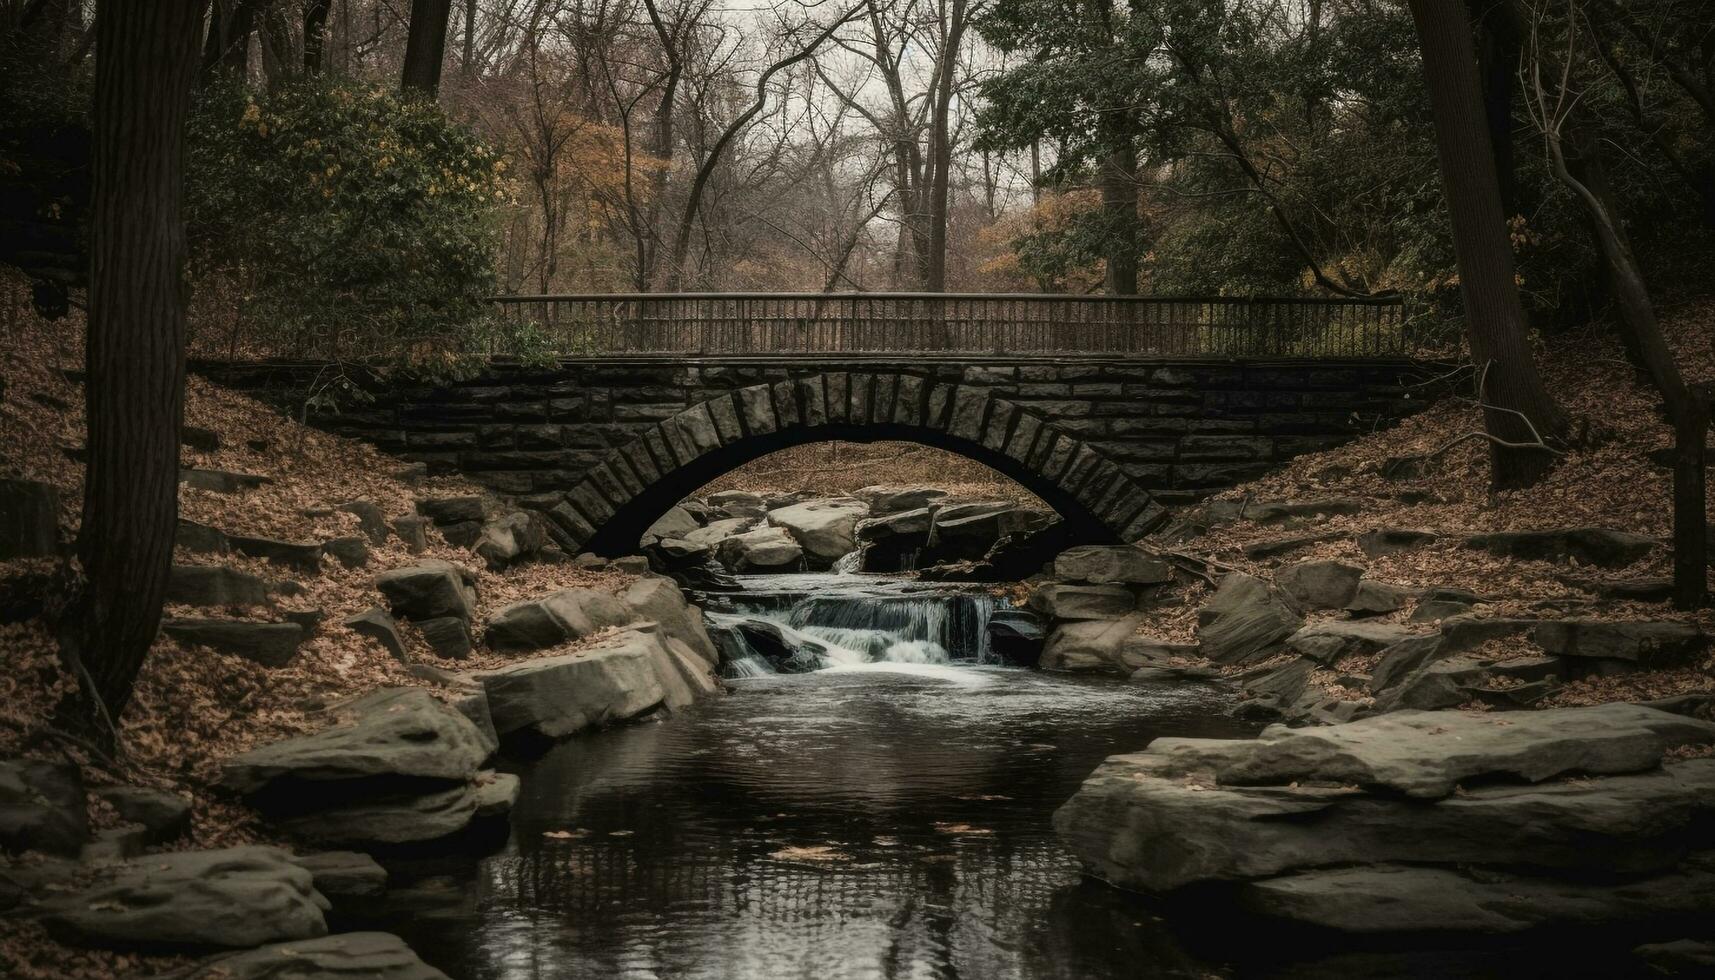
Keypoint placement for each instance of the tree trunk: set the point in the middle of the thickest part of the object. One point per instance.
(1518, 410)
(1497, 61)
(315, 34)
(941, 149)
(425, 47)
(1119, 204)
(135, 357)
(468, 63)
(226, 52)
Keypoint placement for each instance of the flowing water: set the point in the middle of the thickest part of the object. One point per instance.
(884, 816)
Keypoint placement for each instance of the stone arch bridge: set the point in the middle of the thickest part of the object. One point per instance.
(604, 444)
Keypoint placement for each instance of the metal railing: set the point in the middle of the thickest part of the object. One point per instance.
(758, 324)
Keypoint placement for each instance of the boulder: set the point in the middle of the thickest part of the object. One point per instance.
(429, 590)
(1291, 511)
(1378, 598)
(1246, 618)
(413, 531)
(894, 542)
(1320, 584)
(346, 956)
(713, 533)
(825, 529)
(215, 585)
(1016, 636)
(737, 504)
(1069, 602)
(565, 615)
(659, 600)
(343, 874)
(236, 897)
(1463, 678)
(197, 438)
(496, 794)
(42, 807)
(627, 676)
(1436, 610)
(1394, 540)
(303, 555)
(376, 624)
(1425, 754)
(1089, 645)
(201, 538)
(510, 539)
(395, 733)
(1111, 564)
(163, 816)
(448, 636)
(269, 644)
(1402, 659)
(884, 500)
(1647, 644)
(966, 531)
(452, 510)
(1140, 651)
(1275, 547)
(29, 520)
(1682, 957)
(1399, 898)
(675, 523)
(351, 550)
(371, 519)
(1326, 643)
(766, 549)
(1584, 545)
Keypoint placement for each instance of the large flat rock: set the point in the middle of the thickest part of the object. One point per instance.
(1244, 619)
(353, 955)
(234, 898)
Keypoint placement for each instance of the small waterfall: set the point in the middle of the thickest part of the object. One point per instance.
(847, 621)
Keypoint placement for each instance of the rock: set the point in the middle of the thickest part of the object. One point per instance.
(394, 732)
(1327, 643)
(199, 439)
(367, 955)
(192, 536)
(825, 529)
(1397, 899)
(376, 624)
(497, 794)
(766, 549)
(1436, 610)
(740, 504)
(371, 519)
(1275, 547)
(558, 696)
(659, 600)
(1065, 602)
(29, 520)
(1286, 511)
(304, 555)
(1585, 545)
(1623, 590)
(236, 897)
(429, 590)
(1684, 957)
(1016, 636)
(221, 481)
(1244, 619)
(965, 531)
(343, 874)
(1103, 565)
(893, 543)
(269, 644)
(163, 816)
(111, 844)
(1394, 540)
(1140, 651)
(448, 636)
(1377, 599)
(1399, 661)
(42, 807)
(413, 531)
(675, 523)
(1461, 633)
(215, 585)
(1172, 675)
(1320, 584)
(351, 551)
(884, 500)
(507, 540)
(1089, 645)
(1647, 644)
(1424, 754)
(565, 615)
(452, 510)
(712, 534)
(632, 564)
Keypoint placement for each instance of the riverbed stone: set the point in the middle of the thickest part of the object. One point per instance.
(884, 500)
(824, 528)
(676, 522)
(1244, 619)
(42, 807)
(343, 874)
(1320, 584)
(564, 615)
(346, 956)
(1070, 602)
(766, 549)
(1088, 645)
(624, 677)
(1111, 565)
(235, 897)
(430, 589)
(658, 599)
(737, 504)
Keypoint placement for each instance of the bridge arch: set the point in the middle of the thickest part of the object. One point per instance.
(608, 510)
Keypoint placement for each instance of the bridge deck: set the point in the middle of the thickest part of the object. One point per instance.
(743, 324)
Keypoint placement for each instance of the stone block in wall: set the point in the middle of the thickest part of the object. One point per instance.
(1042, 389)
(756, 407)
(1139, 450)
(812, 400)
(989, 374)
(567, 410)
(882, 398)
(1150, 395)
(1207, 447)
(1200, 475)
(837, 387)
(1155, 476)
(646, 411)
(1023, 438)
(529, 411)
(1098, 389)
(999, 425)
(908, 401)
(1059, 408)
(785, 404)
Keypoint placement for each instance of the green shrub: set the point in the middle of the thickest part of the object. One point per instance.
(333, 222)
